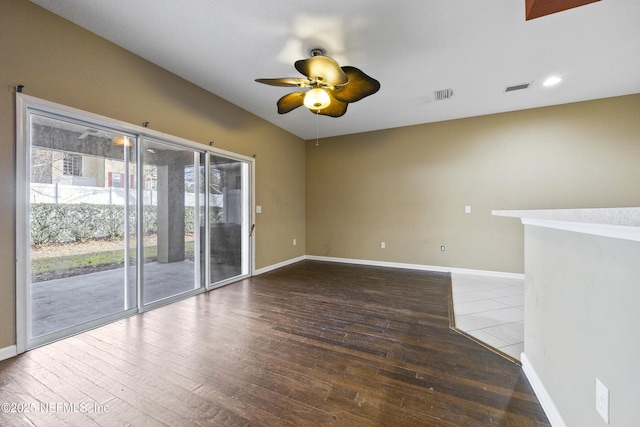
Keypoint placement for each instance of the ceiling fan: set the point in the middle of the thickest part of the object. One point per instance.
(332, 87)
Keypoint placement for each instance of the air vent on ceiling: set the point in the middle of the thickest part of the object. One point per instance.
(443, 94)
(517, 87)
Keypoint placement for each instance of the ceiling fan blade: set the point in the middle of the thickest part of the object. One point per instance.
(335, 109)
(285, 81)
(359, 86)
(322, 68)
(290, 102)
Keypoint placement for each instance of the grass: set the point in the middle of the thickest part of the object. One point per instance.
(63, 260)
(73, 262)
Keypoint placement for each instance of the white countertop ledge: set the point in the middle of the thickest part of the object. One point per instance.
(618, 223)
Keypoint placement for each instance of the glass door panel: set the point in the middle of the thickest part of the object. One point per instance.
(82, 268)
(172, 202)
(228, 218)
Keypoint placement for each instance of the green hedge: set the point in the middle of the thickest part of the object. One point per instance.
(64, 223)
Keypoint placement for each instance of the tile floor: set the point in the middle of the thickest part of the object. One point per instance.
(491, 309)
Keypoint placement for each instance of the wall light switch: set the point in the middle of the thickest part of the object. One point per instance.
(467, 209)
(258, 209)
(294, 242)
(602, 400)
(383, 245)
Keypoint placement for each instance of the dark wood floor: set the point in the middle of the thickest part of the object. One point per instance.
(309, 344)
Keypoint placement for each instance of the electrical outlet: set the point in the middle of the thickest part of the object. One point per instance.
(294, 242)
(602, 400)
(467, 209)
(383, 245)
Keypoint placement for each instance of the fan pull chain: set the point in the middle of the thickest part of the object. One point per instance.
(317, 131)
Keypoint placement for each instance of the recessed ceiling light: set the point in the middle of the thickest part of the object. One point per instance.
(551, 81)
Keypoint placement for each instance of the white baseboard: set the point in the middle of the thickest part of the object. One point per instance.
(423, 267)
(278, 265)
(417, 267)
(8, 352)
(541, 393)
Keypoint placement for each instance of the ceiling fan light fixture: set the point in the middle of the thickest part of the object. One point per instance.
(331, 87)
(317, 99)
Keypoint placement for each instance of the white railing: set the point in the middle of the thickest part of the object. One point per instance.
(72, 194)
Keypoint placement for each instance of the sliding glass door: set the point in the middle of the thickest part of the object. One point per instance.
(172, 205)
(228, 219)
(114, 220)
(81, 198)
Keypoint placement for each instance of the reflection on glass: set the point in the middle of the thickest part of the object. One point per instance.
(228, 198)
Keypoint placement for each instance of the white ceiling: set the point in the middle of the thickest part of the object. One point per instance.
(477, 48)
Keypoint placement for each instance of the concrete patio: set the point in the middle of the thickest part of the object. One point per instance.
(61, 303)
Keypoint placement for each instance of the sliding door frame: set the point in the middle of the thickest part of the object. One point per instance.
(247, 223)
(26, 104)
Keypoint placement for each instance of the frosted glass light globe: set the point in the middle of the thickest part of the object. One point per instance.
(317, 99)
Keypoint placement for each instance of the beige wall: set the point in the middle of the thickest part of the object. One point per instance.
(60, 62)
(409, 186)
